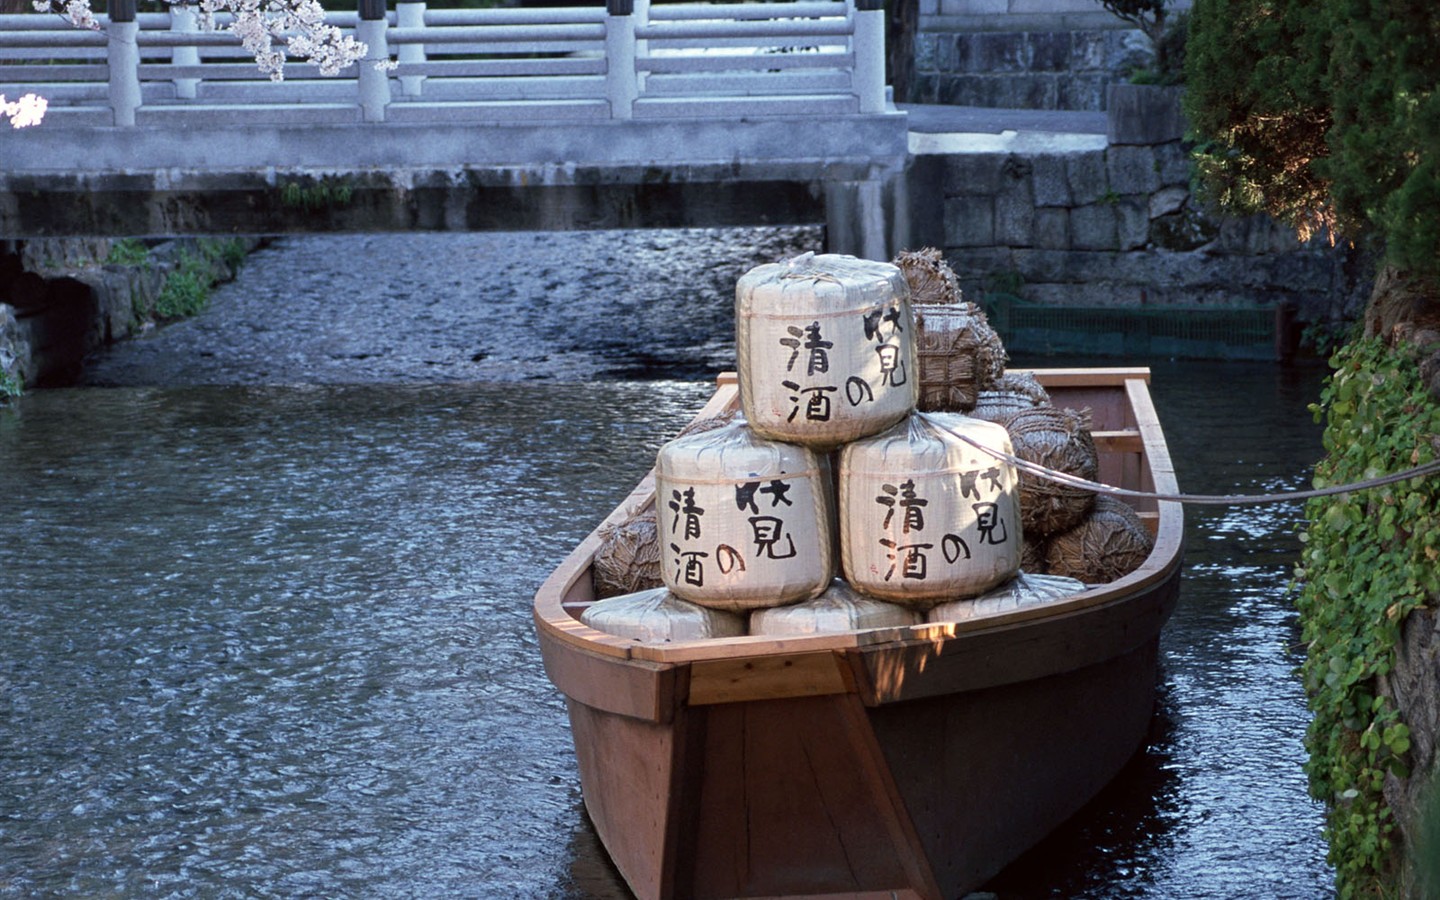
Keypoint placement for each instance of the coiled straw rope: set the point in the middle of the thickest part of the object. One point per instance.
(1040, 471)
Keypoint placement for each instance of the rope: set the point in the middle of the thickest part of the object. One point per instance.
(1199, 499)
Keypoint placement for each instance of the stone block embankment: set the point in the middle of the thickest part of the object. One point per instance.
(62, 299)
(1073, 221)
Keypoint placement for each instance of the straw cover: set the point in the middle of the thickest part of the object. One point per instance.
(658, 616)
(925, 517)
(826, 349)
(744, 522)
(1019, 592)
(839, 609)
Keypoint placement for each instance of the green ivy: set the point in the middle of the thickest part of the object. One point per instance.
(10, 387)
(1369, 559)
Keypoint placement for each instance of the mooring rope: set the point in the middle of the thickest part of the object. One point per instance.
(1075, 481)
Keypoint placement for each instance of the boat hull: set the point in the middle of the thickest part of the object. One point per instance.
(910, 762)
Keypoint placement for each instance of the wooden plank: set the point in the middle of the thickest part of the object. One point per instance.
(769, 677)
(1108, 377)
(1126, 440)
(797, 801)
(615, 684)
(628, 772)
(1055, 638)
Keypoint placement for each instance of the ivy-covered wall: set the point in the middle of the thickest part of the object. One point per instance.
(1370, 576)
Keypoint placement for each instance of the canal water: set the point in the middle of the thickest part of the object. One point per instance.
(265, 584)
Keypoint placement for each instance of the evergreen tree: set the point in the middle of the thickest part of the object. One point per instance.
(1325, 114)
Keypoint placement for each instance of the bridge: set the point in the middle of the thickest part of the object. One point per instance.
(631, 115)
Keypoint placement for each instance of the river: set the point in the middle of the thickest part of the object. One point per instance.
(264, 611)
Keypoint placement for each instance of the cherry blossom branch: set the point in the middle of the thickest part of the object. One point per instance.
(24, 111)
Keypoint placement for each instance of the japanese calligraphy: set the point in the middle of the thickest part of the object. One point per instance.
(684, 505)
(808, 339)
(904, 522)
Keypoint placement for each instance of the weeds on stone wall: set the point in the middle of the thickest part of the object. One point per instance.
(186, 290)
(1369, 559)
(128, 252)
(10, 387)
(326, 193)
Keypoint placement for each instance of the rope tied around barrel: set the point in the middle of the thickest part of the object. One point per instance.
(1074, 481)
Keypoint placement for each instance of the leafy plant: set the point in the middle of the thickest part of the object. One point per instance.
(128, 252)
(322, 194)
(10, 387)
(1369, 559)
(1325, 114)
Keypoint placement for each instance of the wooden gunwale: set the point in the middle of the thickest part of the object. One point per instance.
(554, 619)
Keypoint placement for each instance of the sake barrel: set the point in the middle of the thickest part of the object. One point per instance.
(658, 616)
(744, 521)
(926, 517)
(841, 608)
(826, 349)
(1019, 592)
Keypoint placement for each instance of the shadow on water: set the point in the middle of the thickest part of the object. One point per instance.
(267, 641)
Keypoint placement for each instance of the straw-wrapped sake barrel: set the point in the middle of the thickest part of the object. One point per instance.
(826, 349)
(839, 609)
(926, 517)
(658, 616)
(744, 522)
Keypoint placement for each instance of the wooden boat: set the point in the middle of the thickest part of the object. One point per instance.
(913, 762)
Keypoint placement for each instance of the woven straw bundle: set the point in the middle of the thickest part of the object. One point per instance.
(959, 354)
(628, 559)
(1057, 439)
(1012, 392)
(1032, 555)
(1110, 543)
(710, 423)
(930, 278)
(841, 608)
(658, 616)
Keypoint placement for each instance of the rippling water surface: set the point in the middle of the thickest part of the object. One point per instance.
(264, 616)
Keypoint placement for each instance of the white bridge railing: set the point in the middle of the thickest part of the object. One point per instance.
(629, 60)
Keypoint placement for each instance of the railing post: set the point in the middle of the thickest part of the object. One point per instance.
(183, 19)
(642, 48)
(870, 55)
(621, 86)
(123, 56)
(374, 82)
(410, 14)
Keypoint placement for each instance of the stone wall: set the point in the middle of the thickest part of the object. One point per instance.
(60, 300)
(1023, 69)
(1080, 222)
(1022, 54)
(1411, 685)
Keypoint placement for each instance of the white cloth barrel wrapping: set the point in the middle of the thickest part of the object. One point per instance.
(744, 522)
(1019, 592)
(658, 616)
(841, 608)
(925, 517)
(826, 349)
